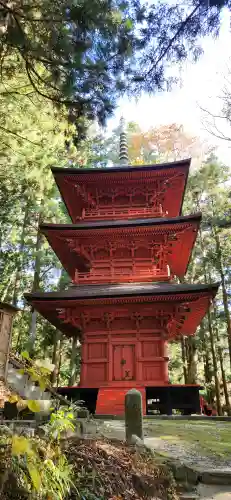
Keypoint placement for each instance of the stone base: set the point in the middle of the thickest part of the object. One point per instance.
(165, 399)
(162, 399)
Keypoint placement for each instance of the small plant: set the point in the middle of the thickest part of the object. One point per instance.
(41, 467)
(60, 422)
(39, 371)
(38, 464)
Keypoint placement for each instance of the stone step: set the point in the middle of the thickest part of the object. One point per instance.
(216, 476)
(189, 496)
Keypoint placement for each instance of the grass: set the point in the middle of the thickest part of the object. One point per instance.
(210, 438)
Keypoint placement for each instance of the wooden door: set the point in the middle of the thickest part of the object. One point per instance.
(123, 362)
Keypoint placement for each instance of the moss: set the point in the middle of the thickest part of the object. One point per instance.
(210, 437)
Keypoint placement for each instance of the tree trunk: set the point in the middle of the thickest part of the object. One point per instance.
(58, 340)
(192, 360)
(20, 256)
(215, 367)
(220, 355)
(208, 372)
(211, 335)
(56, 356)
(73, 362)
(189, 357)
(184, 359)
(35, 287)
(6, 295)
(226, 393)
(224, 291)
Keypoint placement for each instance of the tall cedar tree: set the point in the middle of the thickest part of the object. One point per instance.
(85, 53)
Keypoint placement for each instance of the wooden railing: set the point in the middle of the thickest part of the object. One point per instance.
(122, 275)
(126, 211)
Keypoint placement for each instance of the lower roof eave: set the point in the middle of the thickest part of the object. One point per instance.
(80, 292)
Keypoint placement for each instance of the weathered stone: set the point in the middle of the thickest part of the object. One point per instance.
(216, 476)
(82, 413)
(186, 488)
(136, 441)
(183, 473)
(209, 491)
(188, 496)
(133, 415)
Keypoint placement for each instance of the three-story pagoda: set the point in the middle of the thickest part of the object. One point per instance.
(124, 250)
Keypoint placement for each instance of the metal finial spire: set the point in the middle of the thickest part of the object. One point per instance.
(123, 154)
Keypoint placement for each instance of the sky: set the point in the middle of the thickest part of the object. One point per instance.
(200, 85)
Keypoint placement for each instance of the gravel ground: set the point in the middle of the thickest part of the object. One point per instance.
(207, 492)
(191, 453)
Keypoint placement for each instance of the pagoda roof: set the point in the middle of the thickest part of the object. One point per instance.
(80, 292)
(71, 241)
(80, 187)
(63, 308)
(122, 168)
(124, 223)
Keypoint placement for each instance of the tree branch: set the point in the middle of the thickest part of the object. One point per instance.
(41, 79)
(49, 97)
(18, 135)
(15, 12)
(180, 29)
(211, 114)
(46, 271)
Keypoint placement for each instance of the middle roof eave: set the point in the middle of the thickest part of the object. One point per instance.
(127, 223)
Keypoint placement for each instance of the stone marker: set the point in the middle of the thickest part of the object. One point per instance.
(133, 415)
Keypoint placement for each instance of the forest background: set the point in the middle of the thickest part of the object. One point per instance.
(50, 99)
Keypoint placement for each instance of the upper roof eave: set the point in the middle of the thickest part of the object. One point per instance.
(122, 168)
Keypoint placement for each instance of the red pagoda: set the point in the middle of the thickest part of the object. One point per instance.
(127, 245)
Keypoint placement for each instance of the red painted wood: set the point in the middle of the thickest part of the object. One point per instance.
(171, 315)
(124, 338)
(110, 401)
(121, 195)
(122, 255)
(123, 362)
(134, 329)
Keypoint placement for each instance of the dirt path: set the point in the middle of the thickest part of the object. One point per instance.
(207, 492)
(181, 443)
(191, 453)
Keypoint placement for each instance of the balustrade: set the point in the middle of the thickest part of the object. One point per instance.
(110, 213)
(105, 272)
